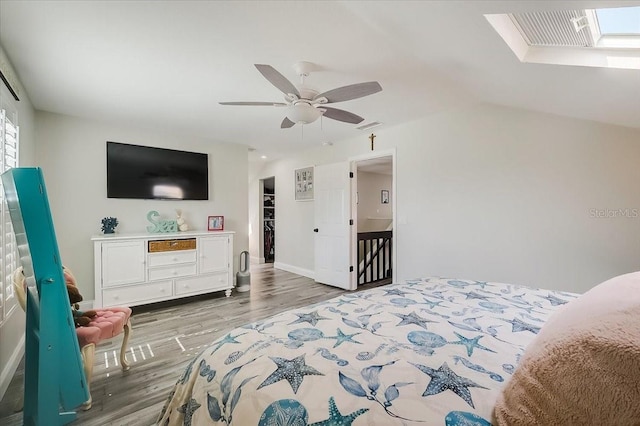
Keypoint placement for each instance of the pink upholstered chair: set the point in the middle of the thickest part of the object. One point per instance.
(109, 323)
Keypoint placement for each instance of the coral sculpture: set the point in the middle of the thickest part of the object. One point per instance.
(109, 225)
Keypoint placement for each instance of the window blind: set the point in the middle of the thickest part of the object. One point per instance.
(9, 144)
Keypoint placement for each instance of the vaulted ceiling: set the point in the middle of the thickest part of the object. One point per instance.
(166, 65)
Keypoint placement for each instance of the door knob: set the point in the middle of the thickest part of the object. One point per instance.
(315, 229)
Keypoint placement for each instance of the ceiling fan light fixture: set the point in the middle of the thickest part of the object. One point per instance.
(303, 113)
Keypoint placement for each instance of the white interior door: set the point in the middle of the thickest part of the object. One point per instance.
(332, 194)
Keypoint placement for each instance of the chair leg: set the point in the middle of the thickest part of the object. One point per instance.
(88, 355)
(123, 350)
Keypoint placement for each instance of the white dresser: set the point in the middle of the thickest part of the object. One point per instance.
(137, 269)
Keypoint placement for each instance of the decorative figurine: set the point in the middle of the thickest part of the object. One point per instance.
(109, 225)
(182, 225)
(160, 226)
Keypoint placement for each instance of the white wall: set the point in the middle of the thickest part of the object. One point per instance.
(72, 154)
(372, 214)
(493, 193)
(12, 329)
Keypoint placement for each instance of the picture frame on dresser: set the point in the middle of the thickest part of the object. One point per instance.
(215, 223)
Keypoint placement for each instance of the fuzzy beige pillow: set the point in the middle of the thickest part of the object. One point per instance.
(583, 368)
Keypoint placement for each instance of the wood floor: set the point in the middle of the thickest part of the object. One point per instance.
(165, 337)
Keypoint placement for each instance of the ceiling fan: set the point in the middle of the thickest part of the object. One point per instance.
(305, 105)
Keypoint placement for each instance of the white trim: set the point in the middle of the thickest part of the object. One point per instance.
(256, 260)
(294, 269)
(6, 375)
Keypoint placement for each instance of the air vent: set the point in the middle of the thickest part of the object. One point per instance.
(553, 28)
(369, 125)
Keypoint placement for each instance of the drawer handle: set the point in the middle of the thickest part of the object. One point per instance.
(116, 297)
(175, 273)
(175, 259)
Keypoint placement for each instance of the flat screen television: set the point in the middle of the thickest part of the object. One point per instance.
(144, 172)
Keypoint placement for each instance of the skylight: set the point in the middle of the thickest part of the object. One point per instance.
(607, 38)
(619, 20)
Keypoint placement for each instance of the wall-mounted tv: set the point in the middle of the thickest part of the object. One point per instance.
(145, 172)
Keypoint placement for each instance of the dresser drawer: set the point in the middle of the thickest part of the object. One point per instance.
(172, 245)
(137, 295)
(172, 272)
(171, 258)
(201, 284)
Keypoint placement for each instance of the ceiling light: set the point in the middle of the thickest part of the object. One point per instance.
(302, 112)
(264, 157)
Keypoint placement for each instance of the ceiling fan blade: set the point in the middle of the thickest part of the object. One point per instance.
(277, 79)
(353, 91)
(253, 103)
(286, 123)
(341, 115)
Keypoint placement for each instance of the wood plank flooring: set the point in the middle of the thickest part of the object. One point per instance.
(165, 337)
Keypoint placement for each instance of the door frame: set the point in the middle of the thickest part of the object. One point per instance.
(353, 165)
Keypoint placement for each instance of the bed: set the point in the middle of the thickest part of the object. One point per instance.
(430, 351)
(426, 351)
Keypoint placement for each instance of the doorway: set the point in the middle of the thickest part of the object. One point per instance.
(345, 211)
(268, 209)
(374, 213)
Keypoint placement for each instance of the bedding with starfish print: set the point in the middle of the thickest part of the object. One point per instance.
(426, 351)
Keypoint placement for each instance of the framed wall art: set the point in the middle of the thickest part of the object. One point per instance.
(215, 223)
(384, 196)
(303, 184)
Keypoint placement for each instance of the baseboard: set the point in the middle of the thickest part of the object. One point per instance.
(294, 269)
(6, 375)
(257, 260)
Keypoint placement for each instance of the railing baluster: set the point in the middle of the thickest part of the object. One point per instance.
(374, 256)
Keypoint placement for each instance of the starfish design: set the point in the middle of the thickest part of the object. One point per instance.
(517, 298)
(395, 292)
(312, 318)
(344, 302)
(519, 325)
(291, 370)
(482, 284)
(474, 295)
(412, 318)
(336, 417)
(188, 409)
(226, 339)
(444, 378)
(341, 338)
(554, 300)
(433, 304)
(470, 344)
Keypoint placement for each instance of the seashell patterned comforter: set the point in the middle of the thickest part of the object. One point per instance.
(430, 351)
